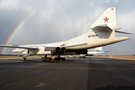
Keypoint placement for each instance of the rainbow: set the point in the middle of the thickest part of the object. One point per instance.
(16, 30)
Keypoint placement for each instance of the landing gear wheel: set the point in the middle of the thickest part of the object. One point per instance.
(60, 59)
(63, 59)
(55, 58)
(24, 58)
(48, 59)
(42, 59)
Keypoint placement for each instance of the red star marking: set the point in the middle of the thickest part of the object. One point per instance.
(112, 8)
(106, 19)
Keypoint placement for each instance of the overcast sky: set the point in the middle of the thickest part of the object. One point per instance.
(59, 20)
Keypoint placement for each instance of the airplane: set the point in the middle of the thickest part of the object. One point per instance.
(96, 51)
(91, 52)
(101, 33)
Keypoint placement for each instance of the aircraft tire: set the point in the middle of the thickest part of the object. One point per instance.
(55, 58)
(24, 58)
(42, 59)
(47, 59)
(60, 60)
(63, 59)
(50, 59)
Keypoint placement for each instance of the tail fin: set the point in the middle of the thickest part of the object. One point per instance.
(105, 25)
(108, 18)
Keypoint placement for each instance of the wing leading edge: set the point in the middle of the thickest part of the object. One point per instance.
(16, 46)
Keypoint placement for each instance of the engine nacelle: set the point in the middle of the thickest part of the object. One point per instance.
(55, 50)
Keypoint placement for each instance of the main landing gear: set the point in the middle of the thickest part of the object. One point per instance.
(59, 58)
(45, 58)
(24, 57)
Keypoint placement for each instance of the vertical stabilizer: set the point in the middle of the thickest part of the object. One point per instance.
(105, 25)
(108, 18)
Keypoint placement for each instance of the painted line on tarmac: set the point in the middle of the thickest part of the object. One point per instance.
(87, 68)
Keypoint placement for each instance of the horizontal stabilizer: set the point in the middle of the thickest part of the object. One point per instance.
(16, 46)
(116, 28)
(109, 28)
(123, 32)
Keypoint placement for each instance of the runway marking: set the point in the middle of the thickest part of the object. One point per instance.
(71, 68)
(118, 57)
(87, 68)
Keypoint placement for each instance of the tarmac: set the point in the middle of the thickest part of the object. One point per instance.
(89, 73)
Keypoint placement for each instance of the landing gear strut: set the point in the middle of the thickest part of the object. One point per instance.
(59, 58)
(24, 57)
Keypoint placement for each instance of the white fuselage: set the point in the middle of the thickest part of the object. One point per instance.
(73, 44)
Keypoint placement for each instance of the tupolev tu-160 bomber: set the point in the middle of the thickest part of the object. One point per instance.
(101, 33)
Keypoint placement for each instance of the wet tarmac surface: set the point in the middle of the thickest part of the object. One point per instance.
(89, 73)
